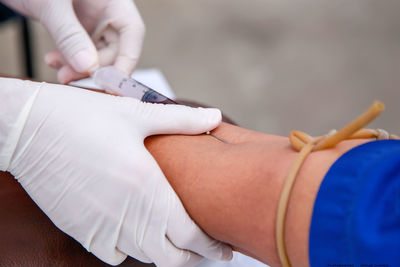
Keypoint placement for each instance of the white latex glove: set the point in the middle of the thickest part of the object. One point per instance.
(80, 156)
(88, 33)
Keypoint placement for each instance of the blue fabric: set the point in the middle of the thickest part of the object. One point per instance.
(356, 216)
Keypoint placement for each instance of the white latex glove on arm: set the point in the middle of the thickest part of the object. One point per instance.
(88, 33)
(80, 156)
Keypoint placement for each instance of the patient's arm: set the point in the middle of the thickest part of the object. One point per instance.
(232, 190)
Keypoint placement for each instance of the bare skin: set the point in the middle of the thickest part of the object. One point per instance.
(232, 190)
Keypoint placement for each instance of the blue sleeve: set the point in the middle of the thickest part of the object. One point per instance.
(356, 216)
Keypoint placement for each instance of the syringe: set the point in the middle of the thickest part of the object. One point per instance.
(115, 82)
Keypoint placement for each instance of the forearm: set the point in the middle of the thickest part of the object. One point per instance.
(232, 191)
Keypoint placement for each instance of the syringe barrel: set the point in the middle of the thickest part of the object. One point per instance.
(115, 82)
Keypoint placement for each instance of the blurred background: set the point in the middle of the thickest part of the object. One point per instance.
(272, 66)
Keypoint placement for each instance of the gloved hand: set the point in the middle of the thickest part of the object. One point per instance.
(80, 156)
(115, 26)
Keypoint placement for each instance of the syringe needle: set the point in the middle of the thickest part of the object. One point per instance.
(216, 137)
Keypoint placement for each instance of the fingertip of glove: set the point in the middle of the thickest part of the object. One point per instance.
(126, 65)
(85, 61)
(220, 252)
(214, 117)
(226, 252)
(51, 60)
(116, 260)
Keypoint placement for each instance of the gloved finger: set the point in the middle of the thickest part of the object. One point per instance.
(67, 74)
(54, 59)
(178, 119)
(167, 255)
(184, 233)
(107, 54)
(131, 29)
(127, 245)
(112, 257)
(107, 43)
(71, 38)
(130, 47)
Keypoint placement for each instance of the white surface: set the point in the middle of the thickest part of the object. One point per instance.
(156, 80)
(153, 78)
(239, 260)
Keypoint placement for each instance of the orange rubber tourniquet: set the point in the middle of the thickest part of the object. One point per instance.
(306, 144)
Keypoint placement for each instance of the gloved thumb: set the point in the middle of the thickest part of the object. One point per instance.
(179, 119)
(70, 37)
